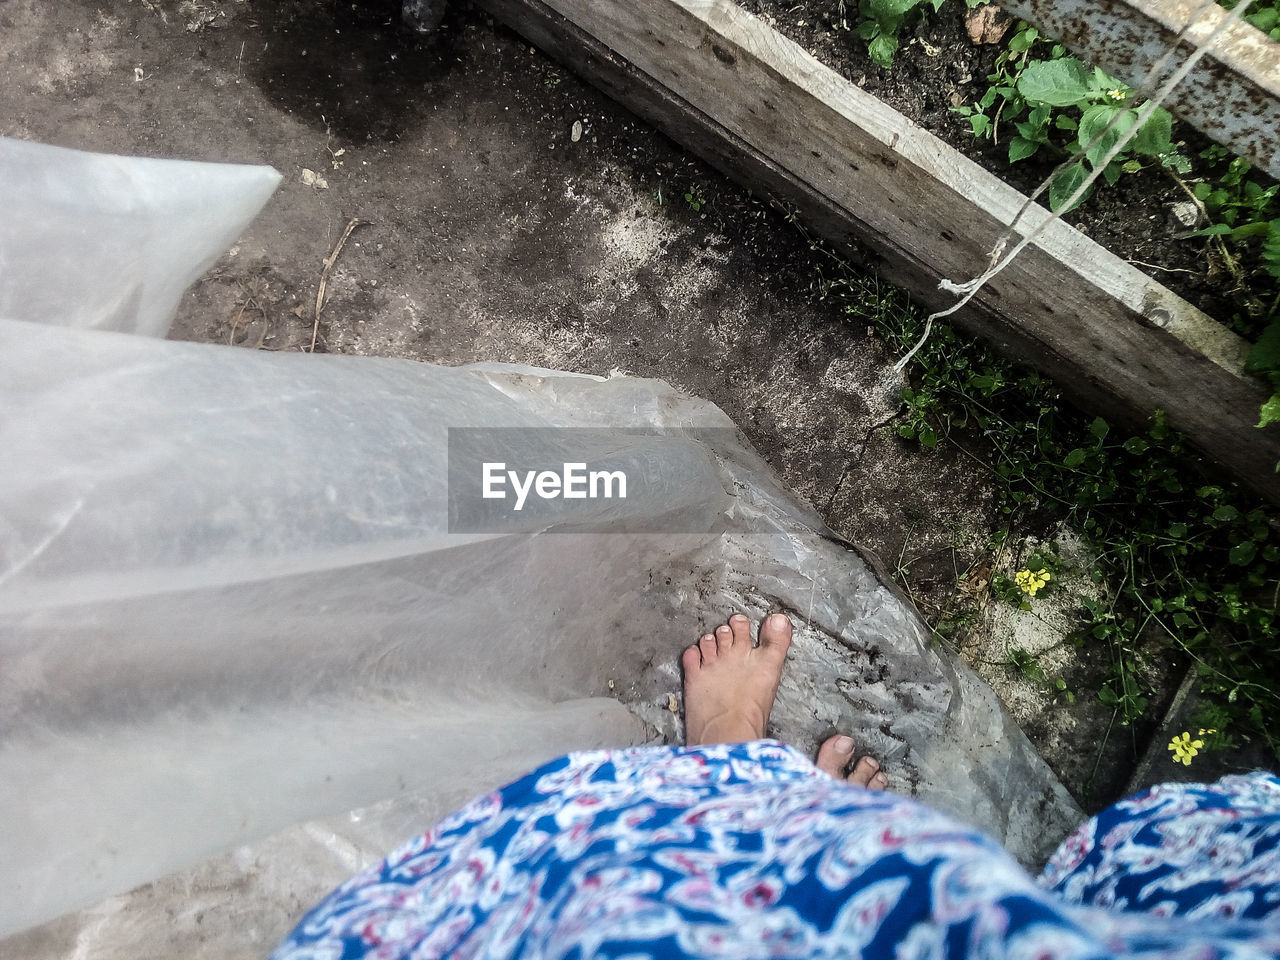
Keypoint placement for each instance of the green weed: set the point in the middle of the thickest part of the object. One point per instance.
(1057, 105)
(1189, 561)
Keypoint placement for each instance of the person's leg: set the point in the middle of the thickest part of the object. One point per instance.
(729, 688)
(733, 846)
(1179, 849)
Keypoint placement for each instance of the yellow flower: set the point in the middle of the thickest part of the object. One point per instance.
(1116, 94)
(1030, 581)
(1184, 748)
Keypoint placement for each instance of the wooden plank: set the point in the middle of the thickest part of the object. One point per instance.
(884, 191)
(1232, 95)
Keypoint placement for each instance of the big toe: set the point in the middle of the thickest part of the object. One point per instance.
(775, 633)
(834, 755)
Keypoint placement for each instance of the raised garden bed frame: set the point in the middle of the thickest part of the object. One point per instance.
(889, 194)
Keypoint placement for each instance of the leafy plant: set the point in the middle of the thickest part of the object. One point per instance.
(1265, 15)
(1264, 357)
(1060, 106)
(1190, 563)
(882, 19)
(1185, 562)
(1236, 202)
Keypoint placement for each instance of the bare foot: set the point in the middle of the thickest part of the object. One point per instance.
(729, 685)
(834, 757)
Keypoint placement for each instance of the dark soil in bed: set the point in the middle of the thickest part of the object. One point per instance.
(937, 67)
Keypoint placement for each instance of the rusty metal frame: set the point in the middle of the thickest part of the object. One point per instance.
(1232, 95)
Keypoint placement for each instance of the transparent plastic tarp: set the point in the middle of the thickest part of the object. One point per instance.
(231, 605)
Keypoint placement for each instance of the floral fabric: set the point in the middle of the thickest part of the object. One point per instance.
(747, 850)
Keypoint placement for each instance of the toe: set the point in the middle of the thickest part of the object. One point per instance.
(740, 630)
(724, 639)
(878, 782)
(691, 659)
(834, 754)
(708, 647)
(864, 771)
(775, 633)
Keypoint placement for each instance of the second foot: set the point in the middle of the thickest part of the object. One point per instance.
(835, 757)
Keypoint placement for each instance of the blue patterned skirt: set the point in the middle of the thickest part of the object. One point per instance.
(747, 850)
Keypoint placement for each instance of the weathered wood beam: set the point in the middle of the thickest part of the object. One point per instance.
(764, 112)
(1232, 95)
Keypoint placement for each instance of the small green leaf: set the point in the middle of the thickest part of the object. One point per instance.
(1059, 83)
(1156, 135)
(928, 437)
(1066, 184)
(1265, 19)
(1030, 130)
(1021, 148)
(1226, 513)
(1242, 553)
(1264, 356)
(1270, 411)
(1094, 138)
(1177, 530)
(1075, 458)
(1136, 445)
(1063, 122)
(882, 49)
(887, 11)
(1099, 428)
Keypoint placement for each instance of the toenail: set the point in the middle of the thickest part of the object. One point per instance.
(779, 621)
(872, 762)
(738, 618)
(721, 629)
(843, 745)
(881, 778)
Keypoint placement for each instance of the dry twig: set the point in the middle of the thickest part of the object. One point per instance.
(324, 277)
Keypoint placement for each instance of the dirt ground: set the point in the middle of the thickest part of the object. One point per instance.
(510, 213)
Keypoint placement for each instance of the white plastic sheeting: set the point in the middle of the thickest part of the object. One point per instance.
(230, 603)
(93, 240)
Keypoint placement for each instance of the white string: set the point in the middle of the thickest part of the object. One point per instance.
(971, 287)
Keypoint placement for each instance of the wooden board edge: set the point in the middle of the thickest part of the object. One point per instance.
(652, 102)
